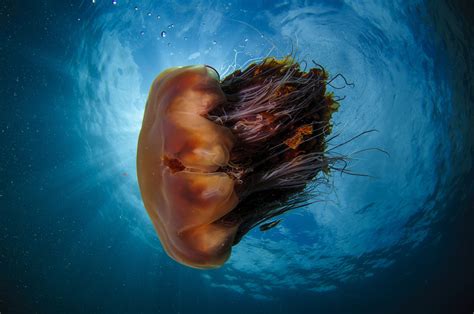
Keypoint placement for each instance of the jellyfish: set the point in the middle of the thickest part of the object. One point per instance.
(218, 157)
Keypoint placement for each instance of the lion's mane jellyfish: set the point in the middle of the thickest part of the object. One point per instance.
(217, 158)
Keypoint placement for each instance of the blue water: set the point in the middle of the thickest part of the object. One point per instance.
(74, 236)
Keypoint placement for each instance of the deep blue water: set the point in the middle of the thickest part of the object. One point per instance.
(74, 236)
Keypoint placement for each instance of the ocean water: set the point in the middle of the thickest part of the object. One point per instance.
(74, 236)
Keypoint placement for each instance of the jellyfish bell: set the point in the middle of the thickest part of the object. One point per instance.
(217, 158)
(179, 152)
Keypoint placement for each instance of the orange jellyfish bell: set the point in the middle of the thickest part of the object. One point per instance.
(216, 158)
(179, 153)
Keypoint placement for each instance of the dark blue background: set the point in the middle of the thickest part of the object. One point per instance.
(58, 254)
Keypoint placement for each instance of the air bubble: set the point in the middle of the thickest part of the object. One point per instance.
(163, 34)
(171, 26)
(114, 2)
(149, 14)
